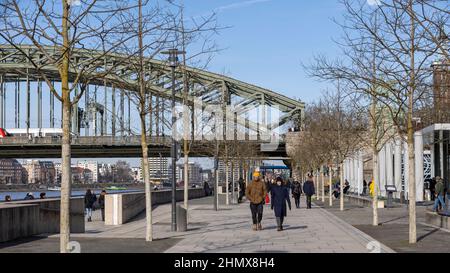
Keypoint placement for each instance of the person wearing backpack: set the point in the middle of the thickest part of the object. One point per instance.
(297, 192)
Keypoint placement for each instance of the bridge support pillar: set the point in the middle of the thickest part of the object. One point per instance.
(122, 112)
(17, 103)
(113, 117)
(52, 108)
(39, 90)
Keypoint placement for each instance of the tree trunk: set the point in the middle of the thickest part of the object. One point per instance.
(341, 195)
(323, 188)
(330, 188)
(186, 178)
(227, 199)
(410, 138)
(375, 187)
(144, 145)
(66, 175)
(146, 176)
(412, 187)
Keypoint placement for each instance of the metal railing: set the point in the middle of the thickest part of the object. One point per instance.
(75, 140)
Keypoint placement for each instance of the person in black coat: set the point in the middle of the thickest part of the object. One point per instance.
(280, 196)
(309, 190)
(296, 192)
(101, 203)
(89, 200)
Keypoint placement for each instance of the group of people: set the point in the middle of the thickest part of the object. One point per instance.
(258, 191)
(337, 189)
(28, 196)
(90, 200)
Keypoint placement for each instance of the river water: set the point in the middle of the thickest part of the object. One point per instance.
(20, 195)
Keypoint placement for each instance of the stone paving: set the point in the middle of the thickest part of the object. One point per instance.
(393, 227)
(225, 231)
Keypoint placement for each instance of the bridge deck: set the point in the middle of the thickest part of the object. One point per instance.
(120, 147)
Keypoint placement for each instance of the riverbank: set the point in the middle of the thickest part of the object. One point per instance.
(34, 187)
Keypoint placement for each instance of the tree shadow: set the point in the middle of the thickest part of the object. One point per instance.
(20, 241)
(427, 234)
(393, 220)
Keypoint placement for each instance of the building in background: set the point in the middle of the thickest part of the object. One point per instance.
(159, 169)
(222, 171)
(92, 166)
(137, 174)
(40, 172)
(12, 172)
(58, 173)
(207, 176)
(441, 91)
(194, 173)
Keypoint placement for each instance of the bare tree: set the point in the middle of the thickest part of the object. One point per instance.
(388, 55)
(56, 30)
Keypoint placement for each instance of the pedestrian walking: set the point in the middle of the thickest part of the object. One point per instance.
(296, 193)
(8, 198)
(89, 200)
(42, 195)
(364, 187)
(372, 188)
(439, 194)
(433, 188)
(280, 194)
(309, 190)
(101, 203)
(241, 189)
(256, 192)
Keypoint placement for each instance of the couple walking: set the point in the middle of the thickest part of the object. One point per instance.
(256, 193)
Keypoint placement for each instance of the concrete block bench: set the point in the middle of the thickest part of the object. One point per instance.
(437, 220)
(363, 201)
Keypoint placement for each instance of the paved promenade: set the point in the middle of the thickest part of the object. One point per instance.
(227, 230)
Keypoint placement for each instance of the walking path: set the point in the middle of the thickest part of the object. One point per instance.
(229, 230)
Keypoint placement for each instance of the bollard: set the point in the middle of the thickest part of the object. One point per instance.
(181, 219)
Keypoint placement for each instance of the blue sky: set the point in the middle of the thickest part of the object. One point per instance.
(269, 39)
(266, 43)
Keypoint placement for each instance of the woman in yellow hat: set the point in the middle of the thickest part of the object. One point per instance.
(256, 192)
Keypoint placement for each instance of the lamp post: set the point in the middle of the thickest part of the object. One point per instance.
(173, 63)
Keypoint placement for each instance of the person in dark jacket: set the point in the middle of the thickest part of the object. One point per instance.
(101, 203)
(206, 189)
(309, 190)
(440, 193)
(432, 187)
(280, 196)
(29, 196)
(8, 198)
(241, 189)
(89, 200)
(297, 192)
